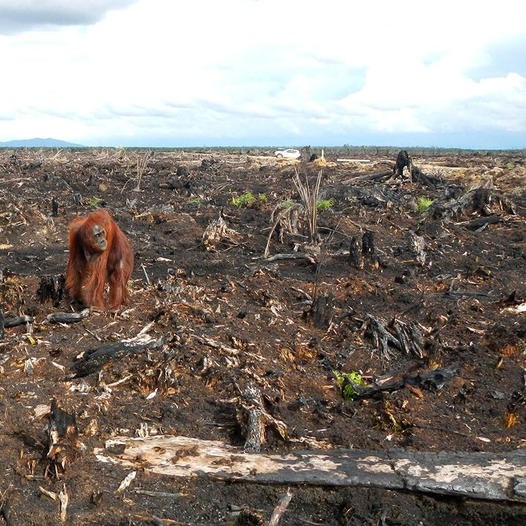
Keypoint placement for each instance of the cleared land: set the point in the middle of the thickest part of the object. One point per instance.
(397, 279)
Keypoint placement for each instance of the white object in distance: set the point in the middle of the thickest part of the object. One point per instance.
(289, 153)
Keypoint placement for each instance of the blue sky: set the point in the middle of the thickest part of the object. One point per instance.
(264, 72)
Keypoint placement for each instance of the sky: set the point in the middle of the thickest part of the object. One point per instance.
(265, 72)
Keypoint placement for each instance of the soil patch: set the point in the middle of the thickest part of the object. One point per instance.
(395, 280)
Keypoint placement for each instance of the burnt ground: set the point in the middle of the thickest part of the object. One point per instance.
(228, 316)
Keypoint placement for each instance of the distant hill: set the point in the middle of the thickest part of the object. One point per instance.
(39, 143)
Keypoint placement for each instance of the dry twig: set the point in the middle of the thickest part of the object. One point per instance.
(282, 506)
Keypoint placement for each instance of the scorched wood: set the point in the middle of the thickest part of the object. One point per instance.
(478, 475)
(94, 359)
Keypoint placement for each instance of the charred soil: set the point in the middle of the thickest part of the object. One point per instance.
(396, 277)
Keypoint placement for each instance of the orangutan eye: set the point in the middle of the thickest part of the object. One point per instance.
(99, 232)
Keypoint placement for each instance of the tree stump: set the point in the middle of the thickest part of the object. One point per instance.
(355, 254)
(182, 171)
(62, 439)
(368, 245)
(322, 311)
(54, 207)
(51, 288)
(402, 160)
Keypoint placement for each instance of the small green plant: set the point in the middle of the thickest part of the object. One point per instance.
(195, 201)
(285, 205)
(248, 199)
(244, 200)
(348, 383)
(423, 204)
(324, 204)
(95, 202)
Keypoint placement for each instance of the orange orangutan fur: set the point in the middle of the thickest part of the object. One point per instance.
(99, 253)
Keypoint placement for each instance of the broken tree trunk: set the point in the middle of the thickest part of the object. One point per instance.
(62, 443)
(54, 207)
(491, 476)
(254, 419)
(406, 337)
(51, 288)
(355, 254)
(403, 160)
(218, 232)
(484, 200)
(322, 311)
(417, 245)
(368, 245)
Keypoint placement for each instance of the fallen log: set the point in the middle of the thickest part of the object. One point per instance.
(68, 317)
(12, 321)
(432, 380)
(294, 255)
(478, 475)
(485, 201)
(94, 360)
(481, 222)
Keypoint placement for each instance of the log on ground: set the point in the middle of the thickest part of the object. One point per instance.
(478, 475)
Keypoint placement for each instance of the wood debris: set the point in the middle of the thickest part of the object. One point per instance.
(434, 379)
(254, 419)
(94, 359)
(218, 232)
(477, 475)
(63, 445)
(405, 337)
(68, 317)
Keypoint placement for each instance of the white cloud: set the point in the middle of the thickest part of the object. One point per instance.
(248, 71)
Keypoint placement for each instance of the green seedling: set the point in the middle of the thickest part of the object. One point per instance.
(324, 204)
(95, 202)
(248, 199)
(349, 383)
(423, 204)
(285, 205)
(244, 200)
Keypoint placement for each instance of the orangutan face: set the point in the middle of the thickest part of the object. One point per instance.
(98, 241)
